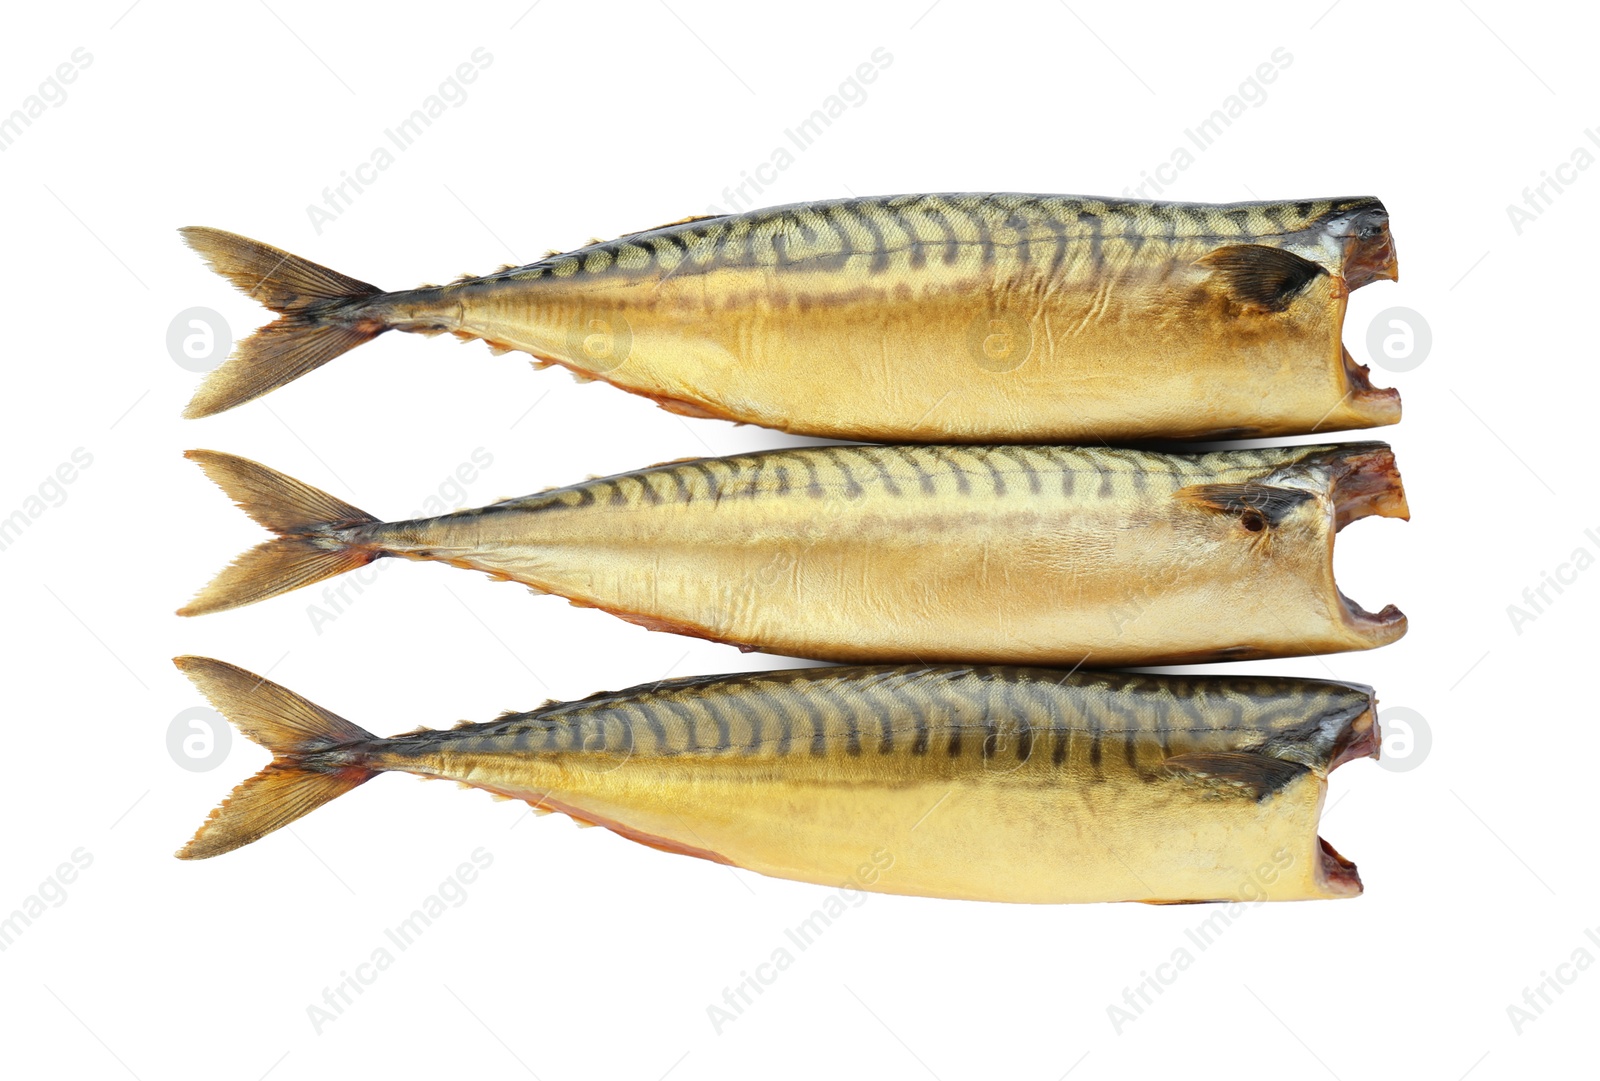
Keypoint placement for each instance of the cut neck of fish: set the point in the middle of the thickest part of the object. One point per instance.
(1337, 874)
(1365, 482)
(1369, 249)
(1375, 405)
(1381, 627)
(1361, 738)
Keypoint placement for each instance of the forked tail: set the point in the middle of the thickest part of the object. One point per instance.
(319, 535)
(322, 313)
(317, 756)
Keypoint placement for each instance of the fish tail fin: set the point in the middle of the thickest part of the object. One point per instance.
(322, 314)
(319, 535)
(316, 756)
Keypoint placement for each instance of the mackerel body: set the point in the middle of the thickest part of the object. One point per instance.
(932, 318)
(988, 783)
(1046, 555)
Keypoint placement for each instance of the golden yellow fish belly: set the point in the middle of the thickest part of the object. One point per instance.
(1142, 355)
(992, 837)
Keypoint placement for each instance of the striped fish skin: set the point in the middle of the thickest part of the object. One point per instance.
(951, 317)
(1039, 555)
(970, 782)
(944, 318)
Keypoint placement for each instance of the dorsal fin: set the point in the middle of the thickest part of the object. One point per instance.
(1261, 276)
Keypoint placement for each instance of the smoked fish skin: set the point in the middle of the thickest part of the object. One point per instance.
(965, 782)
(917, 318)
(1018, 554)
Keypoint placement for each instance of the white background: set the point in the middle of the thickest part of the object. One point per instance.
(580, 955)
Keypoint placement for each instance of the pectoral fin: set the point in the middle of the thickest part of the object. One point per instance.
(1261, 276)
(1253, 775)
(1272, 503)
